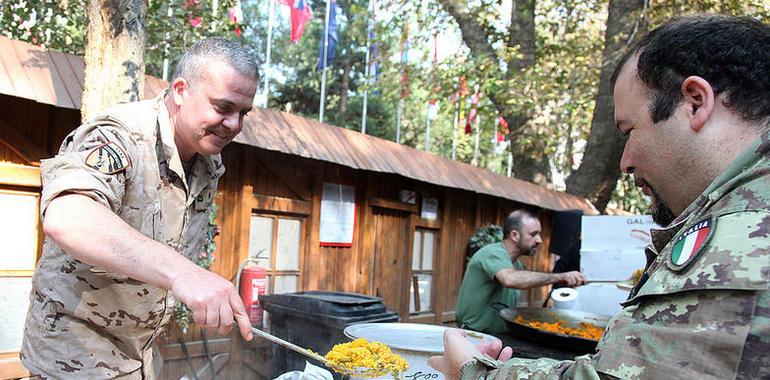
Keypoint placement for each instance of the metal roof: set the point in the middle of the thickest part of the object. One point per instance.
(56, 78)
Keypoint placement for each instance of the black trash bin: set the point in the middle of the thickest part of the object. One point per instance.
(316, 320)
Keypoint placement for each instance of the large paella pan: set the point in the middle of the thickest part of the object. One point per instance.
(520, 321)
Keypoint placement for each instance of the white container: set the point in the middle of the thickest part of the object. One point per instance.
(416, 343)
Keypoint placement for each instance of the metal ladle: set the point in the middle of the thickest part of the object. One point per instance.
(359, 372)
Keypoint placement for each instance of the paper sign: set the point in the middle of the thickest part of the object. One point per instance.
(338, 215)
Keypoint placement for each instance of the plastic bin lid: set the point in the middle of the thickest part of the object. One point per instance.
(409, 336)
(329, 303)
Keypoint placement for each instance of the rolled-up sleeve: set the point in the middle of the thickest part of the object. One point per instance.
(68, 171)
(548, 369)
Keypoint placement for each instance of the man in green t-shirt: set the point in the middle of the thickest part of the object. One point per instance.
(495, 275)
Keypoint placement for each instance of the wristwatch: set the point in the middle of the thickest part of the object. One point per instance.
(478, 367)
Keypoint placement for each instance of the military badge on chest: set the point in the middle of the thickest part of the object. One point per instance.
(109, 158)
(203, 200)
(690, 244)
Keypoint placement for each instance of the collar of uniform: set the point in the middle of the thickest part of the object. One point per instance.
(212, 163)
(167, 138)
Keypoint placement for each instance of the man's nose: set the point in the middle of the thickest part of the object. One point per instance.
(626, 165)
(232, 121)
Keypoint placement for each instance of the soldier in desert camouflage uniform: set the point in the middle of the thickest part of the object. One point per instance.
(125, 205)
(693, 99)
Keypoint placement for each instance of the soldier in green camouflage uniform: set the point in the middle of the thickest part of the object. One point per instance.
(125, 205)
(702, 307)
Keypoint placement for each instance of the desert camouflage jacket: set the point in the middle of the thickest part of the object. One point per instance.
(85, 322)
(702, 308)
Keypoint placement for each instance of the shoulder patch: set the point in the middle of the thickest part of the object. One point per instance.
(108, 158)
(689, 245)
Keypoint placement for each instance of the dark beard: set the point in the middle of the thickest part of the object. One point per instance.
(661, 213)
(528, 252)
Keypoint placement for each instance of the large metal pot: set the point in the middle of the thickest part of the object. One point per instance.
(570, 318)
(416, 343)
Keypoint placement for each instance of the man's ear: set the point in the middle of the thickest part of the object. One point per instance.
(179, 88)
(514, 236)
(698, 97)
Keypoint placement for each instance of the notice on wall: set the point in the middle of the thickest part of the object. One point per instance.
(338, 215)
(429, 209)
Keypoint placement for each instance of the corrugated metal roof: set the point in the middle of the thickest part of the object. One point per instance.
(55, 78)
(281, 132)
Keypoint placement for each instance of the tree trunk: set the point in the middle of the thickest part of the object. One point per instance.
(344, 88)
(599, 170)
(530, 163)
(114, 55)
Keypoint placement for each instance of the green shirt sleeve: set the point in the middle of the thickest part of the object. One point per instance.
(495, 261)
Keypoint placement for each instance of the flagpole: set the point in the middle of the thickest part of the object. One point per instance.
(456, 120)
(398, 120)
(270, 22)
(510, 163)
(427, 130)
(167, 35)
(368, 50)
(323, 63)
(475, 161)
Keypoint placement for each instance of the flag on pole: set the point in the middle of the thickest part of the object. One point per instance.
(235, 15)
(300, 15)
(374, 63)
(330, 35)
(474, 100)
(405, 63)
(433, 109)
(503, 128)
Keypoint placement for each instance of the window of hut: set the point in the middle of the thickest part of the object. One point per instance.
(274, 240)
(19, 233)
(421, 285)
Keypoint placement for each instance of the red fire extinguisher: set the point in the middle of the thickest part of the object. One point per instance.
(252, 283)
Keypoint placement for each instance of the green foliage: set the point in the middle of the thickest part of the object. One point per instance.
(55, 24)
(628, 197)
(61, 25)
(555, 96)
(182, 313)
(170, 36)
(484, 236)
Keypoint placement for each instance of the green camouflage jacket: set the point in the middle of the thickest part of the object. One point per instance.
(702, 308)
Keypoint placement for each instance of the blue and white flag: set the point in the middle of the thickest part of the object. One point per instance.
(330, 34)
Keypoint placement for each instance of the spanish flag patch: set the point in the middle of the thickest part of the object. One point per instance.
(109, 158)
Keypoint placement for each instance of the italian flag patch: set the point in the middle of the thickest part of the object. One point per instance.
(689, 244)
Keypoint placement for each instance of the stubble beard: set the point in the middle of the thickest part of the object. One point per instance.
(661, 212)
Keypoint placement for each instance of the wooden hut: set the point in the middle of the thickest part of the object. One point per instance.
(286, 196)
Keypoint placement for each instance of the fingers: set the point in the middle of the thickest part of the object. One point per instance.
(212, 316)
(490, 347)
(506, 354)
(199, 314)
(438, 363)
(241, 318)
(225, 318)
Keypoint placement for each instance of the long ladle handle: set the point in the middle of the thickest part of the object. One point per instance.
(291, 346)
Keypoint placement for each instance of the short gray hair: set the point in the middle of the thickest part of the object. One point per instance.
(239, 57)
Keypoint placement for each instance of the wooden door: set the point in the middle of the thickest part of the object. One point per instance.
(390, 259)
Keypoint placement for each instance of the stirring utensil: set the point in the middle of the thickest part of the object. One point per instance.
(291, 346)
(359, 372)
